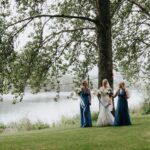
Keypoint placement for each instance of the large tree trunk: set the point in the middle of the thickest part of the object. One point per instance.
(104, 42)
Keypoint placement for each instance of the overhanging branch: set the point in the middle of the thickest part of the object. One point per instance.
(54, 16)
(140, 6)
(117, 7)
(48, 38)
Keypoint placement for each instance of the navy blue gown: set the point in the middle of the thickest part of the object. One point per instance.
(122, 112)
(85, 114)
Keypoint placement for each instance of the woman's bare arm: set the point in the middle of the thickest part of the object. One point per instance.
(115, 94)
(127, 94)
(90, 97)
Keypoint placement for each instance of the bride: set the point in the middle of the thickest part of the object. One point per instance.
(105, 117)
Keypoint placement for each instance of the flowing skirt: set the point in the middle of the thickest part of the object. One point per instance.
(122, 113)
(105, 118)
(85, 116)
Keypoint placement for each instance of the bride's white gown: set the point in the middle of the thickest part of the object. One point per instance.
(105, 117)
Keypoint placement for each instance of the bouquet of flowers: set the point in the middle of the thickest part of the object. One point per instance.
(78, 91)
(98, 93)
(109, 92)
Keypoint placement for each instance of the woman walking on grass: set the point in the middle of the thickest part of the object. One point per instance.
(105, 118)
(85, 102)
(122, 112)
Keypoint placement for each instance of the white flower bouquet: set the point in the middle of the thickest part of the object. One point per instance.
(98, 93)
(78, 91)
(109, 92)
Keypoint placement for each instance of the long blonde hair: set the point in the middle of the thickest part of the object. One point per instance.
(105, 81)
(122, 85)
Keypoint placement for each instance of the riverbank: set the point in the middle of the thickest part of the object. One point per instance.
(135, 137)
(26, 125)
(41, 107)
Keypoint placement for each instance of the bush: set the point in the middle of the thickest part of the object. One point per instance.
(136, 111)
(69, 121)
(39, 125)
(146, 107)
(2, 126)
(75, 121)
(25, 124)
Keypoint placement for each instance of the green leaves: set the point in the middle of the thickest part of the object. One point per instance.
(52, 47)
(130, 36)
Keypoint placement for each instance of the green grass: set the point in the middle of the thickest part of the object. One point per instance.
(135, 137)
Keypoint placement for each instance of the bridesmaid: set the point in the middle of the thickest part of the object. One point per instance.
(122, 112)
(85, 114)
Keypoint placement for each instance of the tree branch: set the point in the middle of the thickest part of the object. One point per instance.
(54, 16)
(65, 46)
(91, 42)
(65, 31)
(140, 23)
(117, 7)
(140, 6)
(25, 25)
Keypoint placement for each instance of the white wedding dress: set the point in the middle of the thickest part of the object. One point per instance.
(105, 117)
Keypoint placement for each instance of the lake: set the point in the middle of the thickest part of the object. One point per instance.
(42, 107)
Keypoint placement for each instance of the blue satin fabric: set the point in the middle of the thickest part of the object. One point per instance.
(122, 112)
(85, 114)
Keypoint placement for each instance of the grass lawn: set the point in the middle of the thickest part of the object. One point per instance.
(135, 137)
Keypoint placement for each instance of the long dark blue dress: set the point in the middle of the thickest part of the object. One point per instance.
(85, 114)
(122, 112)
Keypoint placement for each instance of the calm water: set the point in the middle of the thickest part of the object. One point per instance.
(42, 107)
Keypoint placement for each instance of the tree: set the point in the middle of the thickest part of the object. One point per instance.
(131, 41)
(70, 36)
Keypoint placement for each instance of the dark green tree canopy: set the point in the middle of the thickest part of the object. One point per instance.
(42, 40)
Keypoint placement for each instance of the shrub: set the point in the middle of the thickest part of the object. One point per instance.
(2, 126)
(69, 121)
(146, 107)
(40, 125)
(25, 124)
(136, 111)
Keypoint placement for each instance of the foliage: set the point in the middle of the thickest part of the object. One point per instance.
(131, 34)
(24, 125)
(61, 37)
(74, 121)
(2, 126)
(146, 103)
(51, 48)
(146, 107)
